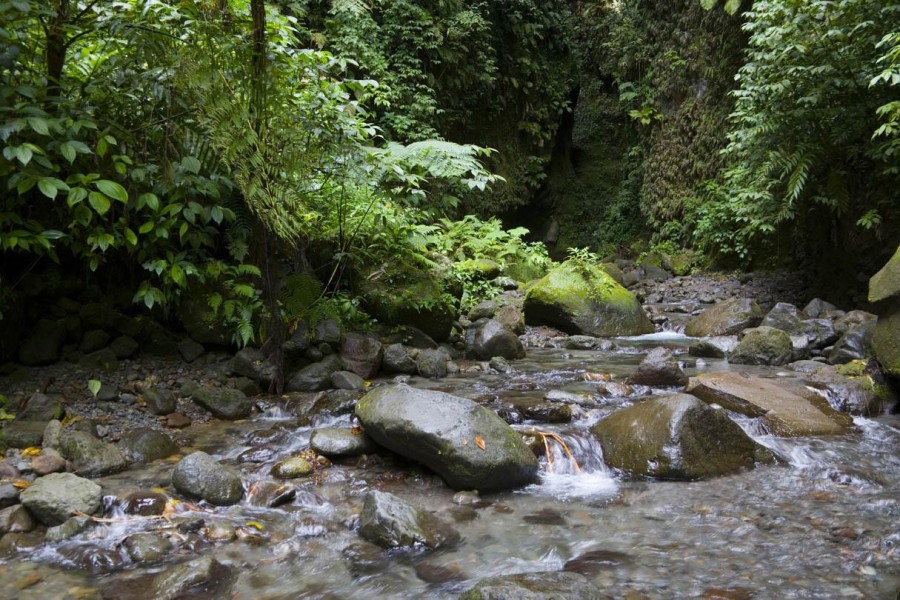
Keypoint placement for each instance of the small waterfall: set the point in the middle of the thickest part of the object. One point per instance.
(579, 473)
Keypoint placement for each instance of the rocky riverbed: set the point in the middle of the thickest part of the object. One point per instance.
(185, 480)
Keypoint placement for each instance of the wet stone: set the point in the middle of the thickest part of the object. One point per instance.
(203, 574)
(292, 468)
(15, 519)
(545, 516)
(93, 559)
(270, 494)
(147, 547)
(159, 401)
(388, 521)
(438, 573)
(144, 503)
(44, 464)
(337, 441)
(72, 527)
(534, 586)
(594, 561)
(200, 476)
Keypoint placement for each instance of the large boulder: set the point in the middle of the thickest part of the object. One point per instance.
(581, 299)
(785, 317)
(884, 292)
(43, 345)
(718, 346)
(391, 523)
(466, 444)
(401, 294)
(54, 498)
(398, 359)
(674, 437)
(146, 445)
(224, 403)
(725, 318)
(200, 476)
(315, 377)
(763, 346)
(855, 344)
(488, 338)
(91, 456)
(555, 585)
(659, 367)
(784, 411)
(41, 407)
(432, 364)
(361, 355)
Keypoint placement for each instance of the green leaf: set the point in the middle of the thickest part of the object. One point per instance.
(39, 125)
(131, 237)
(177, 275)
(94, 385)
(48, 187)
(146, 227)
(112, 189)
(76, 195)
(191, 164)
(149, 200)
(732, 6)
(99, 202)
(24, 154)
(68, 151)
(708, 4)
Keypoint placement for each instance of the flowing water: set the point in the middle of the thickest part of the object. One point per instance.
(825, 523)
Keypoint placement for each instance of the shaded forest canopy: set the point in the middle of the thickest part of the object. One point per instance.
(280, 159)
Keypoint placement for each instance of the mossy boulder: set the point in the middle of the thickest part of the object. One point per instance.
(725, 318)
(480, 268)
(584, 299)
(466, 444)
(674, 437)
(405, 295)
(884, 291)
(763, 346)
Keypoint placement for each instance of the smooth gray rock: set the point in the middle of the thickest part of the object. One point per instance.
(854, 344)
(315, 377)
(658, 368)
(72, 527)
(159, 401)
(361, 355)
(785, 317)
(391, 523)
(432, 364)
(725, 318)
(483, 310)
(398, 359)
(147, 547)
(718, 346)
(466, 444)
(146, 445)
(54, 498)
(347, 380)
(339, 441)
(15, 519)
(205, 576)
(91, 456)
(818, 307)
(124, 347)
(224, 403)
(190, 350)
(488, 338)
(200, 476)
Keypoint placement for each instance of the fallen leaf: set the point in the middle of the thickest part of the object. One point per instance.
(29, 581)
(465, 442)
(21, 483)
(32, 451)
(356, 430)
(255, 524)
(479, 441)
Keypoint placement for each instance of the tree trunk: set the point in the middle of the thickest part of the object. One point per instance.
(56, 47)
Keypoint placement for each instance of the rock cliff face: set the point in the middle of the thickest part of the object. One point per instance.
(884, 292)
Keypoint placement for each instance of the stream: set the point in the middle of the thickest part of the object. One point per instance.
(824, 523)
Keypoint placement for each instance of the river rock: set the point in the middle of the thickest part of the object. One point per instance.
(190, 350)
(391, 523)
(70, 528)
(42, 347)
(361, 355)
(124, 347)
(819, 332)
(145, 548)
(674, 437)
(847, 321)
(555, 585)
(41, 407)
(488, 338)
(511, 318)
(223, 403)
(432, 363)
(658, 368)
(146, 445)
(22, 434)
(817, 308)
(159, 401)
(584, 300)
(483, 310)
(91, 456)
(347, 380)
(785, 317)
(15, 519)
(784, 411)
(718, 346)
(48, 461)
(725, 318)
(854, 344)
(763, 346)
(292, 468)
(202, 577)
(468, 445)
(9, 495)
(93, 340)
(339, 441)
(398, 359)
(144, 503)
(54, 498)
(314, 377)
(200, 476)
